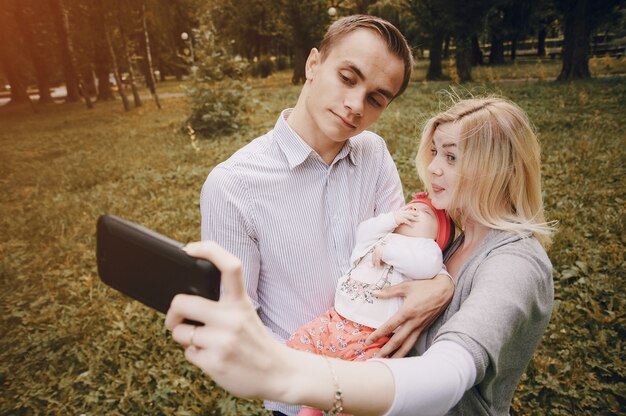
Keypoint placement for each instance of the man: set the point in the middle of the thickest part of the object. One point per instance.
(288, 203)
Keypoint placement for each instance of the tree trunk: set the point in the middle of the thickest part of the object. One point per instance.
(89, 80)
(116, 71)
(129, 64)
(8, 55)
(446, 47)
(434, 58)
(496, 52)
(66, 49)
(41, 70)
(576, 42)
(477, 53)
(299, 63)
(463, 57)
(513, 49)
(101, 54)
(18, 88)
(541, 42)
(149, 71)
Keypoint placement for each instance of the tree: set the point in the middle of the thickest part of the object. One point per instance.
(8, 54)
(166, 20)
(542, 20)
(429, 17)
(581, 17)
(509, 20)
(465, 19)
(477, 53)
(253, 31)
(148, 68)
(497, 34)
(34, 49)
(217, 91)
(116, 71)
(126, 55)
(306, 21)
(100, 50)
(66, 51)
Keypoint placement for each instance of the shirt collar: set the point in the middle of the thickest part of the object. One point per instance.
(296, 150)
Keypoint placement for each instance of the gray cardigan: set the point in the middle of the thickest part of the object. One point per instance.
(506, 293)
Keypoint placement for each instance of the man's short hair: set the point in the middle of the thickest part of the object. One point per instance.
(390, 34)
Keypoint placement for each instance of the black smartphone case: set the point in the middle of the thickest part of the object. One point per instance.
(148, 266)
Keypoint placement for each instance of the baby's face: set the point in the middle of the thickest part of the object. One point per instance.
(425, 225)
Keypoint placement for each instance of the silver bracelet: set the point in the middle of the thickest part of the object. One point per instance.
(337, 407)
(445, 272)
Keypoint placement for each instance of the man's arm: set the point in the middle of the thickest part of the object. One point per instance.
(227, 218)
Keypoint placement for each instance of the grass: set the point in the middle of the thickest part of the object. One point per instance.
(71, 345)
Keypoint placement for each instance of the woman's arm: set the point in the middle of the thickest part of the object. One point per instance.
(433, 383)
(236, 350)
(424, 301)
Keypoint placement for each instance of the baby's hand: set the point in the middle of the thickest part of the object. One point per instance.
(377, 255)
(405, 215)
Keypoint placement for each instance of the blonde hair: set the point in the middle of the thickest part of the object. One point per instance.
(500, 167)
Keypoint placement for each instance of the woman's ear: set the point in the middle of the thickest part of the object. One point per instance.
(312, 62)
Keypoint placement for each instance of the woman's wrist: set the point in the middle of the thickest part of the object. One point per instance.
(446, 284)
(444, 272)
(367, 388)
(307, 380)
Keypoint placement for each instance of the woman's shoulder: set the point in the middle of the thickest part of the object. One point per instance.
(506, 243)
(514, 260)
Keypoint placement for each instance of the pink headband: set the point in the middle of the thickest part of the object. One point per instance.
(445, 233)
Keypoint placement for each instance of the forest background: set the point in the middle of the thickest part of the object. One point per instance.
(124, 107)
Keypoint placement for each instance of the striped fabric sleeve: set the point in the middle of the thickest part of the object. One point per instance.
(389, 194)
(227, 219)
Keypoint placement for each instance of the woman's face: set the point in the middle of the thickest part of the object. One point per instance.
(444, 167)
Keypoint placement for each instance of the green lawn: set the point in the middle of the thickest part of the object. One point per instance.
(71, 345)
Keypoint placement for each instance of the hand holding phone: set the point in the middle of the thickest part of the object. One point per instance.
(148, 266)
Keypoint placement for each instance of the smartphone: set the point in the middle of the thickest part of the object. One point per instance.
(148, 266)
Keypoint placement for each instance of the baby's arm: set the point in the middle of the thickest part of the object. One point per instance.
(372, 230)
(416, 258)
(369, 232)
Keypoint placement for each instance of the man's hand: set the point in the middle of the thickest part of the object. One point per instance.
(424, 300)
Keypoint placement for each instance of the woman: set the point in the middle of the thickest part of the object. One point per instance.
(480, 162)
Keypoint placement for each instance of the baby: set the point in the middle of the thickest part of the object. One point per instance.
(390, 248)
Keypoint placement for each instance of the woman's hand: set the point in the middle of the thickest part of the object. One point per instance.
(233, 346)
(424, 300)
(236, 350)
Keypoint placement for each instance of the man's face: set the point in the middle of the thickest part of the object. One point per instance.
(351, 87)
